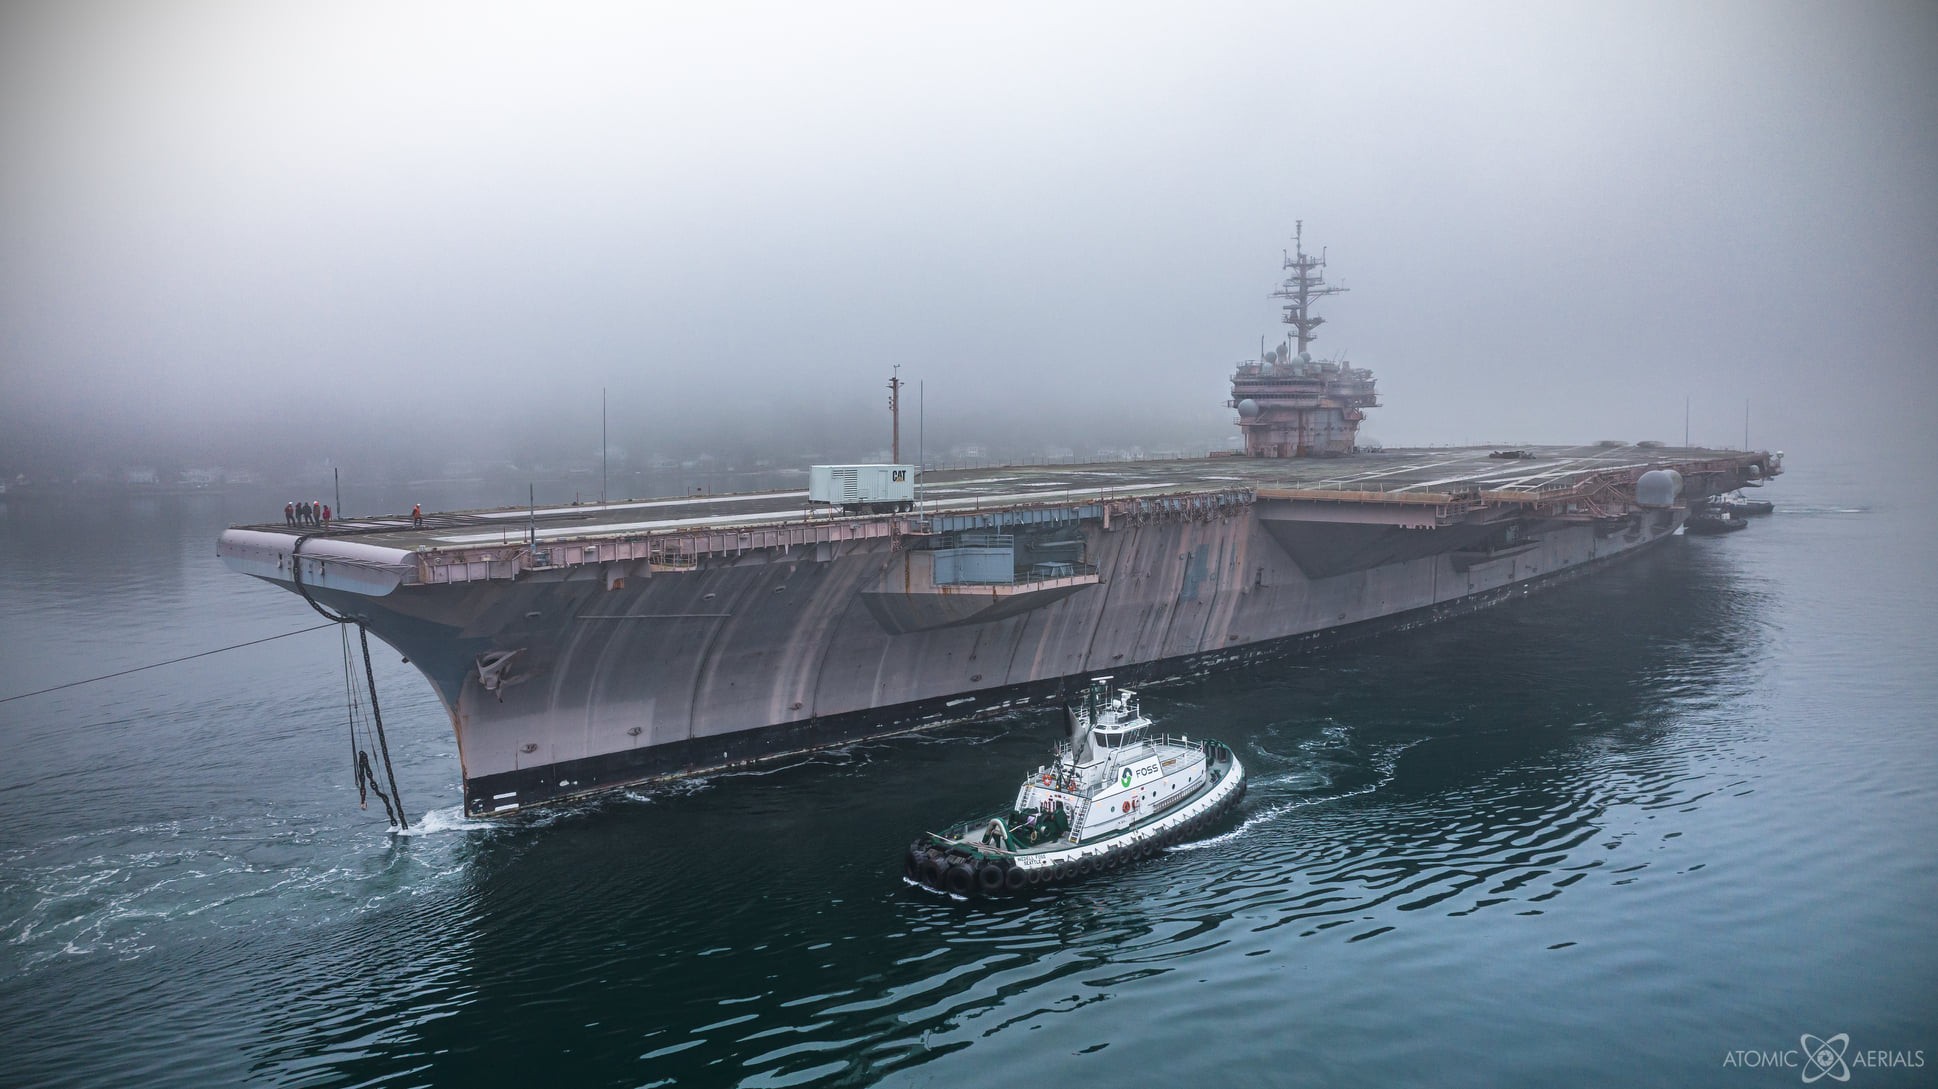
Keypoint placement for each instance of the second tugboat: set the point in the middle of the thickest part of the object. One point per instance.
(1739, 506)
(1711, 519)
(1114, 793)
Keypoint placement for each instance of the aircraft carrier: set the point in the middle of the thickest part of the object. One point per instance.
(586, 647)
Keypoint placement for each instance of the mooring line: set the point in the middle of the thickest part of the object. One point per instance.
(158, 665)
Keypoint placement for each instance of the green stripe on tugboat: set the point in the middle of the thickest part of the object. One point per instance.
(1114, 793)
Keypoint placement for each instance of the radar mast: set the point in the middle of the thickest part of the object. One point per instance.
(1305, 282)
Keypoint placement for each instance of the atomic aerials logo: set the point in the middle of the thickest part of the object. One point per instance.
(1819, 1058)
(1825, 1058)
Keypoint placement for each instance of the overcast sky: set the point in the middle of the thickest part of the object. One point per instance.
(279, 225)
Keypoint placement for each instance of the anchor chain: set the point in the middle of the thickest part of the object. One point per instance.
(360, 760)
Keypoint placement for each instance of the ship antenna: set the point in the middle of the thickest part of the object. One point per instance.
(1305, 283)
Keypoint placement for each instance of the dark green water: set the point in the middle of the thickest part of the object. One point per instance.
(1619, 832)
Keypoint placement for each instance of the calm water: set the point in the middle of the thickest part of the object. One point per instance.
(1617, 832)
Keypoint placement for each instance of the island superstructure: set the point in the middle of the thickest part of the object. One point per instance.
(585, 647)
(1290, 405)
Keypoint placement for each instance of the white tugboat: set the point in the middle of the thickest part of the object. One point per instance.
(1113, 793)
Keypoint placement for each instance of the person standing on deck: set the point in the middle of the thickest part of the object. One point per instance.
(326, 516)
(289, 513)
(417, 515)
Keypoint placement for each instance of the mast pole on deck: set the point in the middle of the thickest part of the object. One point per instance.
(895, 416)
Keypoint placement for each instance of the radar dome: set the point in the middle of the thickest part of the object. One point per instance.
(1305, 357)
(1248, 408)
(1658, 488)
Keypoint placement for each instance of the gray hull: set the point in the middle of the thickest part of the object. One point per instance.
(569, 680)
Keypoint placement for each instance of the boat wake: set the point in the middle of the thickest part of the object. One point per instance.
(670, 788)
(440, 821)
(1385, 767)
(125, 892)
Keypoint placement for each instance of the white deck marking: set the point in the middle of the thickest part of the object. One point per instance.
(968, 504)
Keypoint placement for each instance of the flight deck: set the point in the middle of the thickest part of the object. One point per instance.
(1432, 474)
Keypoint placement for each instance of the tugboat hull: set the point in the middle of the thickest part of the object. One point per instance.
(959, 867)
